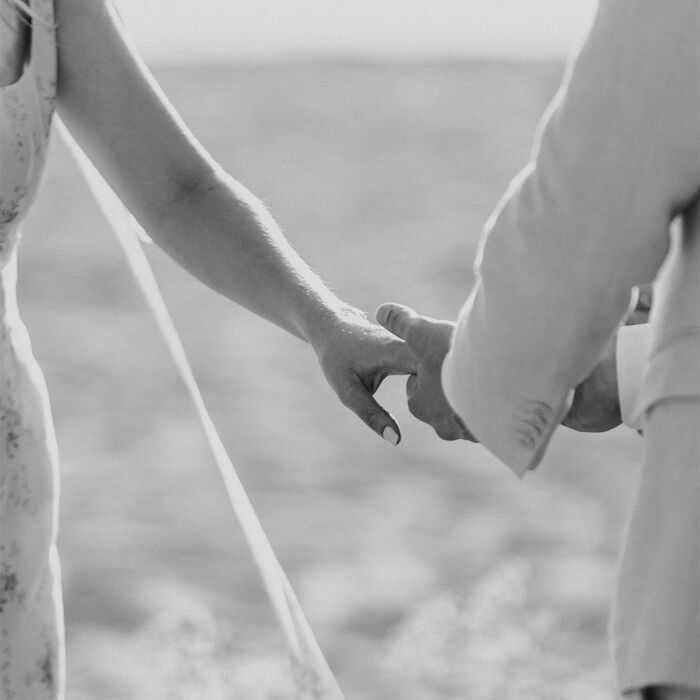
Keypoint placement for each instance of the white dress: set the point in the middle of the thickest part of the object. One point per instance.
(31, 626)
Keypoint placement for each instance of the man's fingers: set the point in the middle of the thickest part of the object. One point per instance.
(400, 359)
(362, 403)
(425, 336)
(397, 319)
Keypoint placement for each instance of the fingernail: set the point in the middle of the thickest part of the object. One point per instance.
(391, 436)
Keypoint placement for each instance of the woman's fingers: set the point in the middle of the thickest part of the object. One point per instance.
(355, 396)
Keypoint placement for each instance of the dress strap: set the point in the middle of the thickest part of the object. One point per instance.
(42, 62)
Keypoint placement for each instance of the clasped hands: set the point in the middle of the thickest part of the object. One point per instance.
(356, 356)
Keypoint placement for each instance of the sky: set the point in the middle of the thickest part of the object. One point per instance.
(185, 31)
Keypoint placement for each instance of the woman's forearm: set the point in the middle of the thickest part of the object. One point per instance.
(221, 233)
(202, 217)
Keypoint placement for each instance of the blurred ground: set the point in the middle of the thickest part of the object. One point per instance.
(420, 567)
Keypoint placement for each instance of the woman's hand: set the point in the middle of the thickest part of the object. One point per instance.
(356, 356)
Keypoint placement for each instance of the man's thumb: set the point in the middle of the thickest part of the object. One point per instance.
(397, 319)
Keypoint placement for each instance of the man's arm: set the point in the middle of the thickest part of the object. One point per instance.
(618, 155)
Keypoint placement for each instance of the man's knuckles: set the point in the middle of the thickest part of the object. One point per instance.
(397, 319)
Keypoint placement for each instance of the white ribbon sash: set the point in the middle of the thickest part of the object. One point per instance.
(312, 675)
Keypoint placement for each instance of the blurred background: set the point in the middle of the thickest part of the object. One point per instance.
(380, 134)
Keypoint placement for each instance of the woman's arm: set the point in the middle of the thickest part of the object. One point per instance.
(202, 217)
(207, 221)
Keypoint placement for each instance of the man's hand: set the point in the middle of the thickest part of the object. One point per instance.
(596, 405)
(356, 356)
(429, 341)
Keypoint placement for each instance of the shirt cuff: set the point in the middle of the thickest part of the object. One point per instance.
(632, 353)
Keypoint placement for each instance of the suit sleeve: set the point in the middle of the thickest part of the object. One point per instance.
(616, 156)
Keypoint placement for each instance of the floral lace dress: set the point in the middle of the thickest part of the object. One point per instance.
(31, 629)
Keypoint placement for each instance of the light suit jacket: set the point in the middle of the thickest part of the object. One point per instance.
(617, 158)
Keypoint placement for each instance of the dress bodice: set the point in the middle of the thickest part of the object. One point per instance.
(26, 109)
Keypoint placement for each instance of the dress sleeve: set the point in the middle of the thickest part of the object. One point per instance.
(616, 156)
